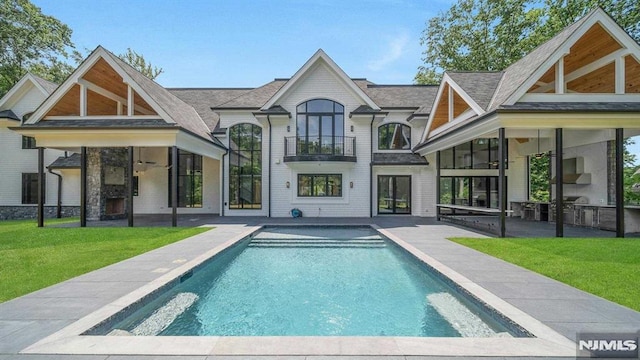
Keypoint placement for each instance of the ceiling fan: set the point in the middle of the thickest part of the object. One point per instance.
(143, 164)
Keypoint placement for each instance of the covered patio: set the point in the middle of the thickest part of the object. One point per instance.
(573, 100)
(136, 140)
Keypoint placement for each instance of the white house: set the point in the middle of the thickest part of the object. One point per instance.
(19, 160)
(330, 145)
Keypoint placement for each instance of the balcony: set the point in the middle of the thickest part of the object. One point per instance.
(320, 148)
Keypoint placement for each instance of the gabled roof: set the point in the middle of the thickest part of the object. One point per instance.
(522, 74)
(169, 107)
(45, 86)
(181, 113)
(320, 57)
(480, 86)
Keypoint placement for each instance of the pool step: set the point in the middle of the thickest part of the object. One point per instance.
(334, 243)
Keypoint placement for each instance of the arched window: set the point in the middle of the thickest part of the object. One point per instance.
(320, 127)
(394, 136)
(245, 167)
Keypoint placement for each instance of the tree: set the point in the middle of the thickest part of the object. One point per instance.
(489, 35)
(478, 35)
(139, 63)
(31, 41)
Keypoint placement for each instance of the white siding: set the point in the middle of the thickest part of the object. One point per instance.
(153, 183)
(321, 83)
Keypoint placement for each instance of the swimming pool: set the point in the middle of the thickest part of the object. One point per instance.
(313, 281)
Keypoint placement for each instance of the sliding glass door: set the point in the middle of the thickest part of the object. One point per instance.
(394, 194)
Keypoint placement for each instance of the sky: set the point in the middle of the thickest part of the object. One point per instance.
(242, 43)
(249, 43)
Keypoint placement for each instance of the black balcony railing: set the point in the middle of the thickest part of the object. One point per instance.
(320, 147)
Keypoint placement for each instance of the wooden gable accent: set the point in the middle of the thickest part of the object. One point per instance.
(590, 67)
(441, 116)
(632, 72)
(69, 104)
(106, 95)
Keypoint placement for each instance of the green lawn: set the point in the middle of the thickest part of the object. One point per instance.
(32, 258)
(609, 268)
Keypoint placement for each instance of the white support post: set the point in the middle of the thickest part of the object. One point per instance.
(451, 108)
(560, 85)
(83, 100)
(620, 75)
(130, 103)
(119, 108)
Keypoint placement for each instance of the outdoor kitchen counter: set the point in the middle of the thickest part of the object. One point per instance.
(603, 216)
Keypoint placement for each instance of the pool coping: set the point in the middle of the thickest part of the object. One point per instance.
(69, 340)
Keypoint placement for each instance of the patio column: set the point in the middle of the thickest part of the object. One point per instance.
(620, 183)
(83, 186)
(502, 185)
(559, 189)
(130, 186)
(174, 186)
(41, 186)
(437, 184)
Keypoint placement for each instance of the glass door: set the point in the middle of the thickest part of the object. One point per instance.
(394, 194)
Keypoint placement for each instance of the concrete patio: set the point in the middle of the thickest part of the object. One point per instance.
(566, 310)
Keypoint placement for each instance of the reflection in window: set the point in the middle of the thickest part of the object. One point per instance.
(394, 137)
(30, 188)
(189, 179)
(478, 191)
(320, 185)
(320, 127)
(245, 167)
(477, 154)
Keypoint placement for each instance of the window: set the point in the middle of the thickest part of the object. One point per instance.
(394, 137)
(189, 179)
(28, 142)
(478, 191)
(30, 188)
(320, 127)
(320, 185)
(245, 167)
(477, 154)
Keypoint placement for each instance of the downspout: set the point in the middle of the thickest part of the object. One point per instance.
(222, 203)
(59, 209)
(269, 189)
(373, 118)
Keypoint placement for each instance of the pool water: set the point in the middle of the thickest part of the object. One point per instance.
(312, 282)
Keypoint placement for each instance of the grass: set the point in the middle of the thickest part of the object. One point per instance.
(609, 268)
(33, 258)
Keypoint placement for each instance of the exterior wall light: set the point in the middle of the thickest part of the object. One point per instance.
(351, 184)
(288, 184)
(288, 128)
(351, 128)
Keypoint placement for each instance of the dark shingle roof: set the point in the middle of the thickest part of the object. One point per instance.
(253, 99)
(398, 159)
(481, 86)
(573, 106)
(203, 99)
(517, 73)
(402, 96)
(366, 110)
(47, 85)
(102, 123)
(179, 111)
(69, 162)
(8, 114)
(274, 110)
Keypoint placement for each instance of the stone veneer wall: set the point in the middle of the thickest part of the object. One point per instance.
(98, 159)
(31, 212)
